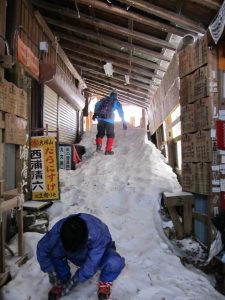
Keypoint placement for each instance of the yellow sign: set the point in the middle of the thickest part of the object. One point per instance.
(44, 172)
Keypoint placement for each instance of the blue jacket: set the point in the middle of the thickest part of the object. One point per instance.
(116, 106)
(51, 254)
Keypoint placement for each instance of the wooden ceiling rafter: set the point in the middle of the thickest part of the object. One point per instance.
(115, 85)
(131, 92)
(212, 4)
(166, 14)
(139, 36)
(121, 95)
(124, 99)
(138, 91)
(135, 70)
(87, 65)
(124, 95)
(104, 25)
(95, 68)
(107, 39)
(142, 72)
(113, 53)
(118, 77)
(135, 17)
(134, 40)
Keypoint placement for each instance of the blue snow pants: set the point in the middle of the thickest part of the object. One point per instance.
(111, 265)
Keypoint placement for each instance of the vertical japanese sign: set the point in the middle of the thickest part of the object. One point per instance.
(24, 156)
(61, 157)
(68, 158)
(44, 173)
(65, 157)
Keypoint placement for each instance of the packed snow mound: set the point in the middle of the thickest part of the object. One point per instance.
(124, 190)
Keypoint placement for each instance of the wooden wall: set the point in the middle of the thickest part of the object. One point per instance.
(166, 97)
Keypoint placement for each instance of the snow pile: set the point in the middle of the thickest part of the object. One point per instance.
(124, 190)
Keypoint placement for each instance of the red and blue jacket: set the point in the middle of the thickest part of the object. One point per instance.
(116, 106)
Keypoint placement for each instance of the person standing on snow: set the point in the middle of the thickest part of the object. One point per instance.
(85, 241)
(104, 113)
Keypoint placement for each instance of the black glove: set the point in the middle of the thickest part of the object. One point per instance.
(69, 285)
(124, 126)
(94, 117)
(53, 279)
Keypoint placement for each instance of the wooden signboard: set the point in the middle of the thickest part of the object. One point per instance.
(44, 172)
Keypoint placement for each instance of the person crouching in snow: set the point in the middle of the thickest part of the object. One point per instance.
(104, 113)
(85, 241)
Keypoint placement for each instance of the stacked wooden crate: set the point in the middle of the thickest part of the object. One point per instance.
(13, 103)
(199, 112)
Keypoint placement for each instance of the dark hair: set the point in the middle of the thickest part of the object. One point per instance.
(74, 233)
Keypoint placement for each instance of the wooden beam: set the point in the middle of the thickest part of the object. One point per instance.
(138, 80)
(123, 89)
(121, 99)
(116, 54)
(98, 68)
(134, 16)
(117, 77)
(212, 4)
(106, 39)
(141, 71)
(117, 84)
(104, 25)
(151, 40)
(165, 14)
(121, 93)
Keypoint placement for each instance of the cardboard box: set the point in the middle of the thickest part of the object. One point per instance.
(15, 130)
(10, 105)
(206, 111)
(187, 177)
(202, 178)
(21, 103)
(188, 119)
(200, 83)
(193, 56)
(188, 142)
(3, 94)
(203, 143)
(184, 91)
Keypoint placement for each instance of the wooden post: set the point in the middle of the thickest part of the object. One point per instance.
(172, 200)
(2, 241)
(187, 216)
(176, 222)
(46, 130)
(1, 187)
(20, 221)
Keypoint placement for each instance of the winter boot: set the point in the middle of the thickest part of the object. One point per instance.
(108, 149)
(98, 144)
(109, 152)
(98, 148)
(104, 290)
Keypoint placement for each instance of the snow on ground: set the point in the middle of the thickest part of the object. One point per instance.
(124, 190)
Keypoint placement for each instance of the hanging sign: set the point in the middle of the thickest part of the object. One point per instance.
(44, 172)
(217, 27)
(220, 134)
(27, 58)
